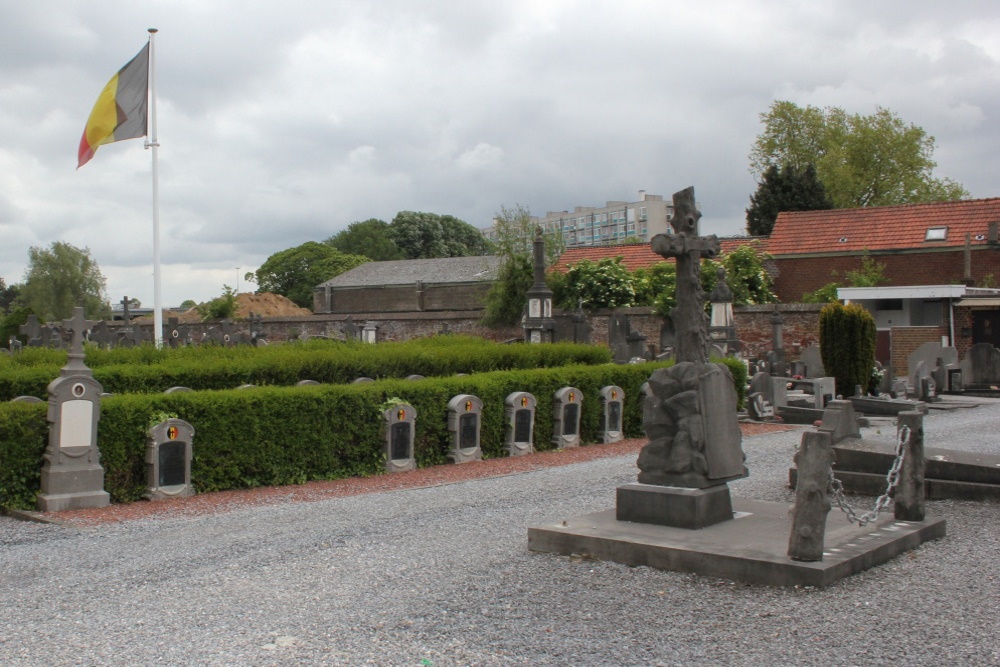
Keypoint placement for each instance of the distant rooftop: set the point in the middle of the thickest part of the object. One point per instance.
(409, 271)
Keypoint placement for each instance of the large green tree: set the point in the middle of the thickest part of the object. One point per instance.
(296, 271)
(427, 235)
(7, 295)
(369, 238)
(789, 188)
(873, 160)
(60, 278)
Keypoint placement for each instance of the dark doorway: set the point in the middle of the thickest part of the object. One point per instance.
(986, 327)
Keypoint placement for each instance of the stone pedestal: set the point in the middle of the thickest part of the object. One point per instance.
(674, 506)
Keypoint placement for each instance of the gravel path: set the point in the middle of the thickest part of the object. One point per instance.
(442, 576)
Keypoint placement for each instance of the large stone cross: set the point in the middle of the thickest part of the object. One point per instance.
(77, 325)
(689, 317)
(32, 330)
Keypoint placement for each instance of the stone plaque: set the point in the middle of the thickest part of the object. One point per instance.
(534, 308)
(614, 416)
(468, 431)
(571, 415)
(522, 425)
(76, 418)
(172, 464)
(399, 441)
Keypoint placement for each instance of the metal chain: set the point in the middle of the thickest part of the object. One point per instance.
(891, 479)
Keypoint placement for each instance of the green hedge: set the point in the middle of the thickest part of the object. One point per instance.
(148, 370)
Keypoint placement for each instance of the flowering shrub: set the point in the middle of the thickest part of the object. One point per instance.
(605, 284)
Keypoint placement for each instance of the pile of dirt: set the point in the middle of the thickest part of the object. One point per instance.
(265, 305)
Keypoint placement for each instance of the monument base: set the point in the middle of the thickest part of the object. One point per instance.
(751, 548)
(674, 506)
(79, 487)
(83, 500)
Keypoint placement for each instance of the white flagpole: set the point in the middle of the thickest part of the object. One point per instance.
(152, 143)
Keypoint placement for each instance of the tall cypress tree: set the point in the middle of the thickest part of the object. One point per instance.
(787, 189)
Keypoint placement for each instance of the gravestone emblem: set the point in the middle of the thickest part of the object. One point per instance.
(612, 402)
(399, 424)
(72, 476)
(566, 406)
(168, 460)
(464, 417)
(519, 412)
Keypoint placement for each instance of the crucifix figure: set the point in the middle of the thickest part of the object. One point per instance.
(689, 317)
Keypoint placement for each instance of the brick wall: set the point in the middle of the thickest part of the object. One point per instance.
(907, 339)
(801, 275)
(401, 298)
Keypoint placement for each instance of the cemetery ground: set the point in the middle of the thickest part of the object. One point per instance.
(439, 574)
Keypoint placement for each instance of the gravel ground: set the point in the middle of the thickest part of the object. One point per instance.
(441, 576)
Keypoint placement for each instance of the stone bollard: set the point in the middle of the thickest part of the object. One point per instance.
(814, 460)
(909, 497)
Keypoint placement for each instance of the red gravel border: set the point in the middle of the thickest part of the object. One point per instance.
(221, 501)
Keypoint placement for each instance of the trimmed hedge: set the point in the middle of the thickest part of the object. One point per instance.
(148, 370)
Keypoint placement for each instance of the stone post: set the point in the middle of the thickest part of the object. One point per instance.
(909, 498)
(814, 460)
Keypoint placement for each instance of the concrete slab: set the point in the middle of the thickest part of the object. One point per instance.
(751, 548)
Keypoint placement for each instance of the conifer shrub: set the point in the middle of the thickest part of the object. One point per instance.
(847, 345)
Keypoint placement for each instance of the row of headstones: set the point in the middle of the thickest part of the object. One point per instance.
(169, 443)
(174, 334)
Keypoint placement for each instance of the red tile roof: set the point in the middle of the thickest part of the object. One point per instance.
(882, 228)
(639, 255)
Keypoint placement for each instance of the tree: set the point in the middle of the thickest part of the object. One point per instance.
(427, 235)
(8, 293)
(847, 345)
(746, 275)
(296, 271)
(602, 284)
(369, 238)
(875, 160)
(60, 278)
(789, 188)
(221, 307)
(514, 245)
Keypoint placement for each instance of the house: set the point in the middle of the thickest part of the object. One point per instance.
(918, 244)
(409, 285)
(640, 256)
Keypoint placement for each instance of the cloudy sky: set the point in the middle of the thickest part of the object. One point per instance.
(283, 122)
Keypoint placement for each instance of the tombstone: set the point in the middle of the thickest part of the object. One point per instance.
(53, 336)
(777, 353)
(758, 407)
(399, 430)
(257, 335)
(370, 333)
(415, 377)
(668, 338)
(168, 460)
(636, 345)
(813, 360)
(612, 413)
(566, 408)
(102, 335)
(307, 383)
(519, 414)
(694, 437)
(981, 365)
(935, 357)
(349, 329)
(722, 327)
(824, 391)
(618, 332)
(361, 380)
(15, 345)
(581, 326)
(465, 424)
(177, 390)
(955, 378)
(31, 330)
(247, 386)
(840, 421)
(899, 389)
(26, 399)
(72, 476)
(175, 334)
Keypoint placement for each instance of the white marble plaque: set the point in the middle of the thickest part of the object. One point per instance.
(547, 304)
(536, 336)
(76, 424)
(534, 308)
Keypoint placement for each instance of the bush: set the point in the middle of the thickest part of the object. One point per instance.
(847, 345)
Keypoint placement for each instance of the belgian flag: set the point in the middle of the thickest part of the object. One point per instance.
(120, 111)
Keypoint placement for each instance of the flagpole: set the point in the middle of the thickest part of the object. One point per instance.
(154, 145)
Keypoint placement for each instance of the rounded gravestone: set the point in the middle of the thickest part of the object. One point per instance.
(362, 380)
(26, 399)
(177, 390)
(306, 383)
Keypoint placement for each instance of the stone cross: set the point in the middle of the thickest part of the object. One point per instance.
(126, 316)
(77, 325)
(689, 317)
(32, 330)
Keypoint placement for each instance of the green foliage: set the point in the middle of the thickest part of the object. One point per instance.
(871, 273)
(657, 287)
(60, 278)
(875, 160)
(190, 303)
(296, 271)
(290, 435)
(506, 298)
(428, 235)
(847, 345)
(824, 294)
(8, 293)
(746, 276)
(369, 238)
(221, 307)
(147, 369)
(787, 189)
(602, 284)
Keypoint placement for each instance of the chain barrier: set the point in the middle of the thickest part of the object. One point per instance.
(891, 479)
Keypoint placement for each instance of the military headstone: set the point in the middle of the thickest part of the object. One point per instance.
(168, 460)
(566, 409)
(519, 413)
(612, 410)
(464, 417)
(399, 429)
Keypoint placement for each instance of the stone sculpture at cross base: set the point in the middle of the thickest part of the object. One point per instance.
(695, 442)
(72, 476)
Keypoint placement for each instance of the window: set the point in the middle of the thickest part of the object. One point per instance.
(642, 213)
(936, 234)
